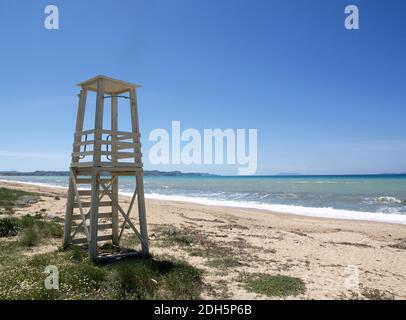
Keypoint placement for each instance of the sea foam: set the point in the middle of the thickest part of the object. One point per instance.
(325, 212)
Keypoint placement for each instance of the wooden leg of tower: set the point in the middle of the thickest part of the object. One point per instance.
(71, 193)
(142, 214)
(114, 219)
(69, 214)
(114, 187)
(94, 215)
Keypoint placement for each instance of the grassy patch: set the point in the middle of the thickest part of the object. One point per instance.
(35, 229)
(211, 252)
(375, 294)
(169, 236)
(22, 277)
(49, 229)
(31, 230)
(30, 237)
(275, 286)
(226, 262)
(10, 198)
(197, 243)
(148, 278)
(9, 227)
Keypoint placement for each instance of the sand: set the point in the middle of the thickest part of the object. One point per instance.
(337, 259)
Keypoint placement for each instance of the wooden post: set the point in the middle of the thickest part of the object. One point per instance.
(77, 139)
(139, 175)
(68, 214)
(94, 209)
(114, 128)
(98, 123)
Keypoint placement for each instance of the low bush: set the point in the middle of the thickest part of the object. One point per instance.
(9, 227)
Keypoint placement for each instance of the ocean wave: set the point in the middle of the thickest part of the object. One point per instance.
(39, 184)
(385, 200)
(288, 196)
(326, 212)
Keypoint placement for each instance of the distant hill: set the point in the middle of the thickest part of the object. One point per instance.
(66, 173)
(289, 174)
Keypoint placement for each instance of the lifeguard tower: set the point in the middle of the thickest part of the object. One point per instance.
(100, 156)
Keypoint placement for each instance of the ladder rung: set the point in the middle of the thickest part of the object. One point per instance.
(88, 204)
(102, 215)
(84, 240)
(87, 192)
(104, 226)
(83, 180)
(79, 240)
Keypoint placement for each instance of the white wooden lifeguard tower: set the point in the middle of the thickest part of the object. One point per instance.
(100, 156)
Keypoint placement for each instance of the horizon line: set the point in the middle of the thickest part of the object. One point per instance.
(225, 175)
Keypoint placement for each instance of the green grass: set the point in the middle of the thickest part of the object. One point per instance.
(23, 277)
(172, 235)
(30, 229)
(46, 228)
(197, 244)
(10, 198)
(212, 251)
(226, 262)
(30, 237)
(275, 286)
(9, 227)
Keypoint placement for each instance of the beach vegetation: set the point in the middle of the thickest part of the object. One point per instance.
(30, 237)
(30, 229)
(34, 229)
(375, 294)
(149, 278)
(22, 277)
(9, 227)
(212, 250)
(224, 262)
(10, 198)
(274, 285)
(47, 229)
(197, 244)
(175, 236)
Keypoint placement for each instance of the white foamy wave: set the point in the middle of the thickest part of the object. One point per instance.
(39, 184)
(326, 212)
(386, 200)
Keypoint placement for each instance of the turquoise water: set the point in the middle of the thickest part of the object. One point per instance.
(381, 198)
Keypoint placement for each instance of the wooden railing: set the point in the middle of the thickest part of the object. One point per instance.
(115, 148)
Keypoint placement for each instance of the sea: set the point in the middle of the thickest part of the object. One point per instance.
(356, 197)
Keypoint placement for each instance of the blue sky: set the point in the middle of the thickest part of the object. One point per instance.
(324, 99)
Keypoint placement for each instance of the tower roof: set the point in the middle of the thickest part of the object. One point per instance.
(111, 86)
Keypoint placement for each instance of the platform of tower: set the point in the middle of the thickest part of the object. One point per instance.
(100, 156)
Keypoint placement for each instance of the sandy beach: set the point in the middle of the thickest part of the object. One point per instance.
(327, 254)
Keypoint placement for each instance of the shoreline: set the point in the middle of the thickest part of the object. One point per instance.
(317, 250)
(311, 212)
(246, 212)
